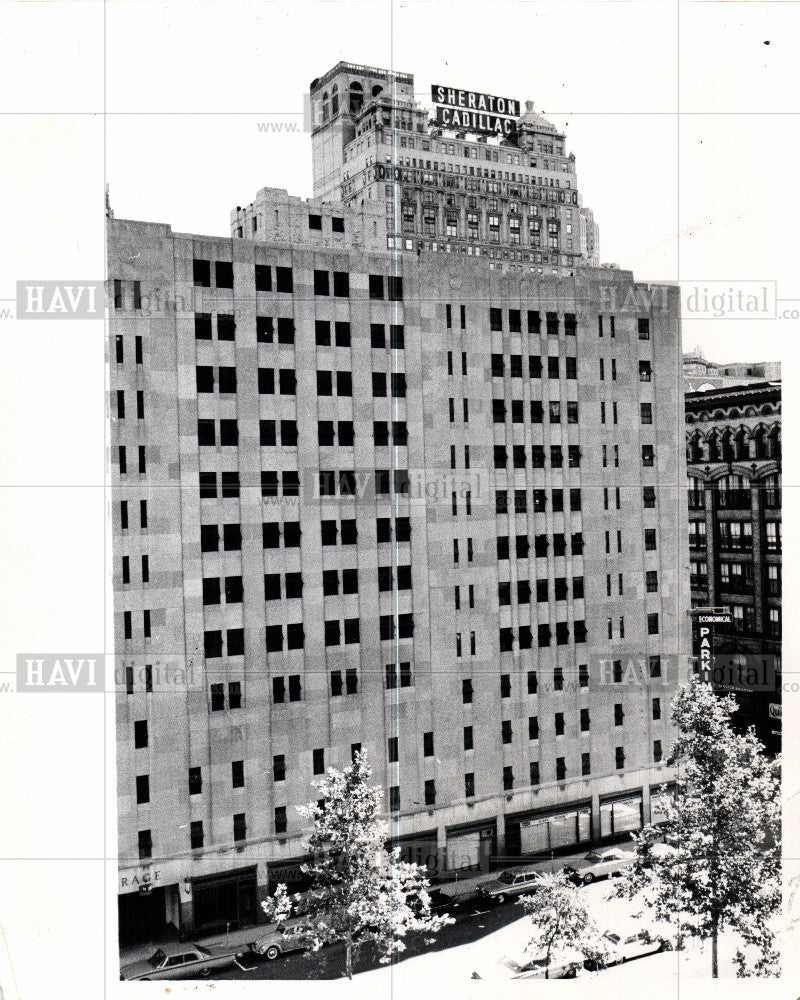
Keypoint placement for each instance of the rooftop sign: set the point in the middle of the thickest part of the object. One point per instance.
(474, 112)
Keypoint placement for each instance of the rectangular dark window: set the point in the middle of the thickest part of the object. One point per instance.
(226, 327)
(223, 272)
(201, 273)
(263, 277)
(284, 279)
(140, 734)
(196, 836)
(264, 329)
(142, 789)
(145, 844)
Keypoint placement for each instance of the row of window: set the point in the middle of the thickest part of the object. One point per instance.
(544, 636)
(524, 593)
(554, 411)
(331, 483)
(535, 367)
(380, 286)
(329, 433)
(290, 587)
(292, 636)
(516, 502)
(541, 545)
(519, 456)
(534, 318)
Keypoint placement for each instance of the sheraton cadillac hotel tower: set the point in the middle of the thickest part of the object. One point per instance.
(398, 468)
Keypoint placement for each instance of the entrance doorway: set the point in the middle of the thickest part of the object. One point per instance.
(224, 902)
(142, 918)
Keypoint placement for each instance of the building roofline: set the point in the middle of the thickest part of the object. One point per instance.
(348, 67)
(754, 390)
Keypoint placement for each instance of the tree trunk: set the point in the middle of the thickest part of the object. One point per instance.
(349, 956)
(714, 942)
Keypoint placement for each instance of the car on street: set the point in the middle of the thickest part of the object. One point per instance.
(280, 939)
(511, 883)
(563, 965)
(179, 961)
(599, 864)
(622, 947)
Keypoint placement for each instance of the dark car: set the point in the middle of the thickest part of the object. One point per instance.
(511, 883)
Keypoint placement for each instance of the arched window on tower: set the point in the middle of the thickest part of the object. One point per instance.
(356, 97)
(326, 113)
(334, 100)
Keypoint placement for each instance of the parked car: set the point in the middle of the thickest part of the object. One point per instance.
(279, 940)
(179, 961)
(563, 965)
(510, 883)
(623, 947)
(598, 864)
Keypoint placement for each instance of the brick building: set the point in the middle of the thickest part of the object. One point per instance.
(733, 440)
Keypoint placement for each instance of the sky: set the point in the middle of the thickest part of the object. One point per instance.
(681, 117)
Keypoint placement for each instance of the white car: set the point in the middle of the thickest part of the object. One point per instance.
(597, 864)
(563, 965)
(623, 947)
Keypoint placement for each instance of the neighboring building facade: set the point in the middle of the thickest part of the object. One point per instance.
(418, 504)
(733, 439)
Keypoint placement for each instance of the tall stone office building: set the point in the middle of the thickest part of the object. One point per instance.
(374, 486)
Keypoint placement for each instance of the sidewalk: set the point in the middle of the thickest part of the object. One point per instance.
(235, 940)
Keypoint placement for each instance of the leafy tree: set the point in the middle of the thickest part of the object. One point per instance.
(360, 892)
(561, 920)
(703, 869)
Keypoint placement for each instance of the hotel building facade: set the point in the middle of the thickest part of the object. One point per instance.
(379, 494)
